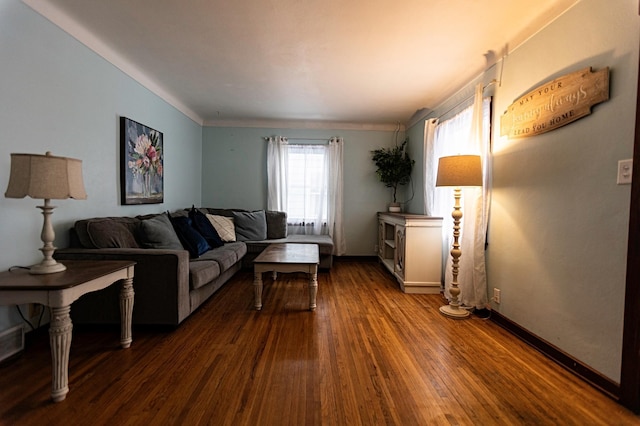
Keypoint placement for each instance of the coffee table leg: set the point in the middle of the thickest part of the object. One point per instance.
(257, 290)
(313, 289)
(126, 312)
(60, 342)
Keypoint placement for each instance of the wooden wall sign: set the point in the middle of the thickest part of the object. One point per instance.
(555, 104)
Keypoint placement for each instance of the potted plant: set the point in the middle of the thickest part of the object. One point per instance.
(394, 169)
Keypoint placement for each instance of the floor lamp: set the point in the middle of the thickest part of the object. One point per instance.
(457, 171)
(50, 178)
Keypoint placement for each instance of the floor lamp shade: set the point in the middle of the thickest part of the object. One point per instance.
(50, 178)
(457, 171)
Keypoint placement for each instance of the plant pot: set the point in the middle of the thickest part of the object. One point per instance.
(395, 207)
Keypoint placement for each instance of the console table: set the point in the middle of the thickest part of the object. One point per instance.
(58, 291)
(410, 247)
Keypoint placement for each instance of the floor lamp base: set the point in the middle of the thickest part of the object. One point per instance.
(452, 312)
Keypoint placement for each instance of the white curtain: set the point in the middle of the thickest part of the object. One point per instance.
(465, 133)
(429, 177)
(306, 182)
(277, 159)
(336, 223)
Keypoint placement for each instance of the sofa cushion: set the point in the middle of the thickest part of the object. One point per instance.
(250, 226)
(225, 257)
(109, 233)
(202, 272)
(276, 224)
(189, 237)
(324, 242)
(200, 222)
(223, 212)
(157, 232)
(224, 227)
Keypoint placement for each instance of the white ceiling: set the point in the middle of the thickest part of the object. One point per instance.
(374, 61)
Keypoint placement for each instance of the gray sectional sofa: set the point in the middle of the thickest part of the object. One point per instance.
(176, 269)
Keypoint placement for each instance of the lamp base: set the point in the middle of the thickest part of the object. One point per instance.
(452, 312)
(45, 267)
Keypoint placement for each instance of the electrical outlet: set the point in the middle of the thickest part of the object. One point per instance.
(375, 248)
(496, 295)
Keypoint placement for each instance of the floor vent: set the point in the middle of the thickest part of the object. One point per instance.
(11, 342)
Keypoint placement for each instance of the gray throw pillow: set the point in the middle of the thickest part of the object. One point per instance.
(158, 233)
(250, 226)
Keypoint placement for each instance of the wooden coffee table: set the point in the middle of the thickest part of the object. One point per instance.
(287, 258)
(58, 291)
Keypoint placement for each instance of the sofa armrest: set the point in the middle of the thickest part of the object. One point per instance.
(161, 286)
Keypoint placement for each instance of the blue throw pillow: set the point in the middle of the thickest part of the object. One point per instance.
(190, 238)
(204, 227)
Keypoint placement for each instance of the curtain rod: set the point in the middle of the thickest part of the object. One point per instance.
(303, 139)
(494, 81)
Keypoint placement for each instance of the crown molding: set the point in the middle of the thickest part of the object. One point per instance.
(306, 124)
(84, 36)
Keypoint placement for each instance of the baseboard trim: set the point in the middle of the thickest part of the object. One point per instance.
(355, 258)
(602, 383)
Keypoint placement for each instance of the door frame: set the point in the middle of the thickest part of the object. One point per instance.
(630, 370)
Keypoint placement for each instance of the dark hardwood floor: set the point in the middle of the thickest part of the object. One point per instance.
(369, 355)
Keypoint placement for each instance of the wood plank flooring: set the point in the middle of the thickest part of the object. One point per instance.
(368, 355)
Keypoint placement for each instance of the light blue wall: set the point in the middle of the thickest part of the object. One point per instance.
(559, 223)
(57, 95)
(235, 175)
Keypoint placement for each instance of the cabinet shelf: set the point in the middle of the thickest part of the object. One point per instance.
(410, 247)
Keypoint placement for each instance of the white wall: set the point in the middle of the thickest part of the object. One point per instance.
(57, 95)
(559, 223)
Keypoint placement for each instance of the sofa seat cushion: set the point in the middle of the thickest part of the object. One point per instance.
(325, 243)
(202, 272)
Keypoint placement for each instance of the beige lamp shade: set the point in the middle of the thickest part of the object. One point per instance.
(459, 170)
(45, 177)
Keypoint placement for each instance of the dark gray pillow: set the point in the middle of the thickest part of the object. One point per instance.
(158, 233)
(250, 226)
(276, 224)
(108, 233)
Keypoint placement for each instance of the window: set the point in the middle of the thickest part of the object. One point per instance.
(307, 184)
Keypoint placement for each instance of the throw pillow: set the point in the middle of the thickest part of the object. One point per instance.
(224, 227)
(204, 227)
(250, 226)
(190, 238)
(276, 224)
(157, 232)
(107, 233)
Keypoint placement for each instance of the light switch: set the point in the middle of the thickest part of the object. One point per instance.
(625, 171)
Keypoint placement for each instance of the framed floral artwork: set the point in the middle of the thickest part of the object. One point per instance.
(141, 165)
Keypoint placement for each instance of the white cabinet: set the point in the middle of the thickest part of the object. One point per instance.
(410, 247)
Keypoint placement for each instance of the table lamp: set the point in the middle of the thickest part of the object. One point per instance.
(457, 171)
(47, 177)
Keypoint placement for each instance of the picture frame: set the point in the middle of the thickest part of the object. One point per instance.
(141, 163)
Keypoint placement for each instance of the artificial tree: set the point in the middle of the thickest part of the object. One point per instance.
(394, 167)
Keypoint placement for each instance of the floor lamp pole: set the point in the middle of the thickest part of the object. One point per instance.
(453, 308)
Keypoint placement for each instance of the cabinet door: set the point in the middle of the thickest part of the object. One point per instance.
(400, 240)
